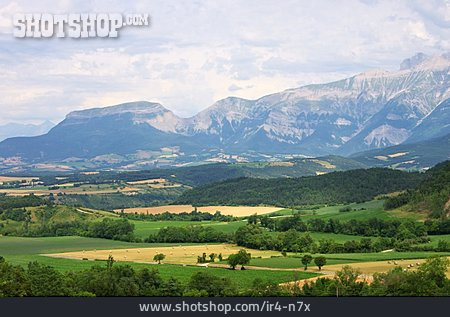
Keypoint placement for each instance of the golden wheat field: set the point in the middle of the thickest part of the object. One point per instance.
(237, 211)
(177, 254)
(148, 181)
(366, 269)
(369, 268)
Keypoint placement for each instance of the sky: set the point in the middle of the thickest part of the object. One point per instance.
(197, 52)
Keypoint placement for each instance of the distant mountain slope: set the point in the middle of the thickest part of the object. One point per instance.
(371, 110)
(419, 155)
(434, 125)
(17, 129)
(122, 129)
(337, 187)
(210, 173)
(299, 167)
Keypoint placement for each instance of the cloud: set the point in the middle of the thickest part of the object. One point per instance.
(233, 88)
(197, 52)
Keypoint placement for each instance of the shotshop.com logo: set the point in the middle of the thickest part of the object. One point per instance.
(75, 25)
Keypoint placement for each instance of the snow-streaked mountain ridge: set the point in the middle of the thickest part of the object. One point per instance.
(370, 110)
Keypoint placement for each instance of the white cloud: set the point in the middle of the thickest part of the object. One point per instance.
(197, 52)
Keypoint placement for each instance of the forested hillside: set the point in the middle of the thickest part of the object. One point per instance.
(337, 187)
(432, 195)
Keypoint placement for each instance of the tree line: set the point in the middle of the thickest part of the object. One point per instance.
(253, 236)
(429, 279)
(332, 188)
(372, 227)
(9, 202)
(192, 233)
(194, 215)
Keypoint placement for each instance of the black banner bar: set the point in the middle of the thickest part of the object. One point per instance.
(233, 306)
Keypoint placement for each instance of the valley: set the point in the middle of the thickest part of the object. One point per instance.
(354, 220)
(335, 186)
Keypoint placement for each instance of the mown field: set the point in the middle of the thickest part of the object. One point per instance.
(174, 254)
(236, 211)
(21, 251)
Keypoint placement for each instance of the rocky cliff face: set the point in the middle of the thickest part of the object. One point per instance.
(371, 110)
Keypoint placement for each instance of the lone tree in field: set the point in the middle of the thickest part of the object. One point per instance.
(320, 261)
(110, 262)
(241, 258)
(306, 260)
(159, 257)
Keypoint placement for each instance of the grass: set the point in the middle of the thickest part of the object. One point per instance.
(241, 278)
(21, 245)
(435, 239)
(21, 251)
(143, 229)
(360, 211)
(289, 262)
(175, 254)
(292, 262)
(182, 273)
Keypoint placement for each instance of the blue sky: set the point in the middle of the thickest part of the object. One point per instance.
(196, 52)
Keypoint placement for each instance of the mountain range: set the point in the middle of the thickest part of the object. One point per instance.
(368, 111)
(18, 129)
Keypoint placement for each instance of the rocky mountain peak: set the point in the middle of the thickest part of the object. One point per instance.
(137, 108)
(413, 61)
(423, 61)
(366, 111)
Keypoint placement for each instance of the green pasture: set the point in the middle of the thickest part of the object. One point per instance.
(293, 262)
